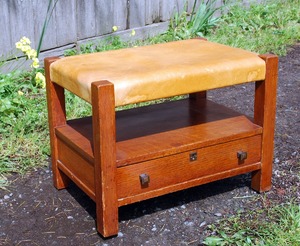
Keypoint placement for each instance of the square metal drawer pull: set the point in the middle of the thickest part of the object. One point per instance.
(242, 155)
(144, 179)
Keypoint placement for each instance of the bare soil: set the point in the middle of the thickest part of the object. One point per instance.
(33, 212)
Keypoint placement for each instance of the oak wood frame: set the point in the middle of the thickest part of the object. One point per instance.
(104, 192)
(264, 115)
(56, 117)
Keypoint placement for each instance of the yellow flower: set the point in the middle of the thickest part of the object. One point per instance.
(132, 32)
(40, 80)
(35, 63)
(31, 53)
(25, 48)
(19, 45)
(20, 93)
(115, 28)
(25, 40)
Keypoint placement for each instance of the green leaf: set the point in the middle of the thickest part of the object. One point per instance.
(214, 241)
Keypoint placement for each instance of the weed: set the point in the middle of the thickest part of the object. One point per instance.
(279, 225)
(76, 107)
(21, 152)
(203, 19)
(199, 23)
(3, 182)
(23, 123)
(13, 101)
(87, 48)
(263, 28)
(110, 43)
(70, 52)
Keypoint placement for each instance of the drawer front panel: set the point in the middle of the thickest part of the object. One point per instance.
(76, 167)
(167, 171)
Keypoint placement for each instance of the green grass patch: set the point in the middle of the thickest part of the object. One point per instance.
(264, 28)
(23, 151)
(23, 124)
(278, 226)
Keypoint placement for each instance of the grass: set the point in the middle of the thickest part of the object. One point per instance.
(264, 28)
(278, 226)
(23, 124)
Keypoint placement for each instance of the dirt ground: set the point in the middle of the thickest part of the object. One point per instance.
(33, 212)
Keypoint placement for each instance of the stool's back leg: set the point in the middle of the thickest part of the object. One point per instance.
(198, 95)
(56, 117)
(264, 115)
(104, 134)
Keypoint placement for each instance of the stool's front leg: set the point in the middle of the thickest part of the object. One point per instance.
(264, 115)
(56, 117)
(104, 138)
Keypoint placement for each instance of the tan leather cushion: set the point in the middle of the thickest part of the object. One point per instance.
(158, 71)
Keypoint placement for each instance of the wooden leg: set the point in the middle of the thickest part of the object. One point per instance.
(198, 95)
(56, 117)
(264, 115)
(104, 134)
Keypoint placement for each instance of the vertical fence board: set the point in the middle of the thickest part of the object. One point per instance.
(49, 40)
(21, 20)
(120, 14)
(65, 18)
(137, 13)
(181, 5)
(167, 9)
(86, 24)
(104, 20)
(5, 40)
(152, 11)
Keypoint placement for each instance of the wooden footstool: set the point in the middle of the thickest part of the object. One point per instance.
(118, 158)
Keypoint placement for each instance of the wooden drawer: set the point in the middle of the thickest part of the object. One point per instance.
(179, 168)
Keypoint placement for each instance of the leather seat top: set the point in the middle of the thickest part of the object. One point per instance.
(159, 71)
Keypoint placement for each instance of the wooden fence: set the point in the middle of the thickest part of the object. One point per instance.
(77, 21)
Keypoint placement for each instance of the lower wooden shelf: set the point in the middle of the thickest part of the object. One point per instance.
(159, 141)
